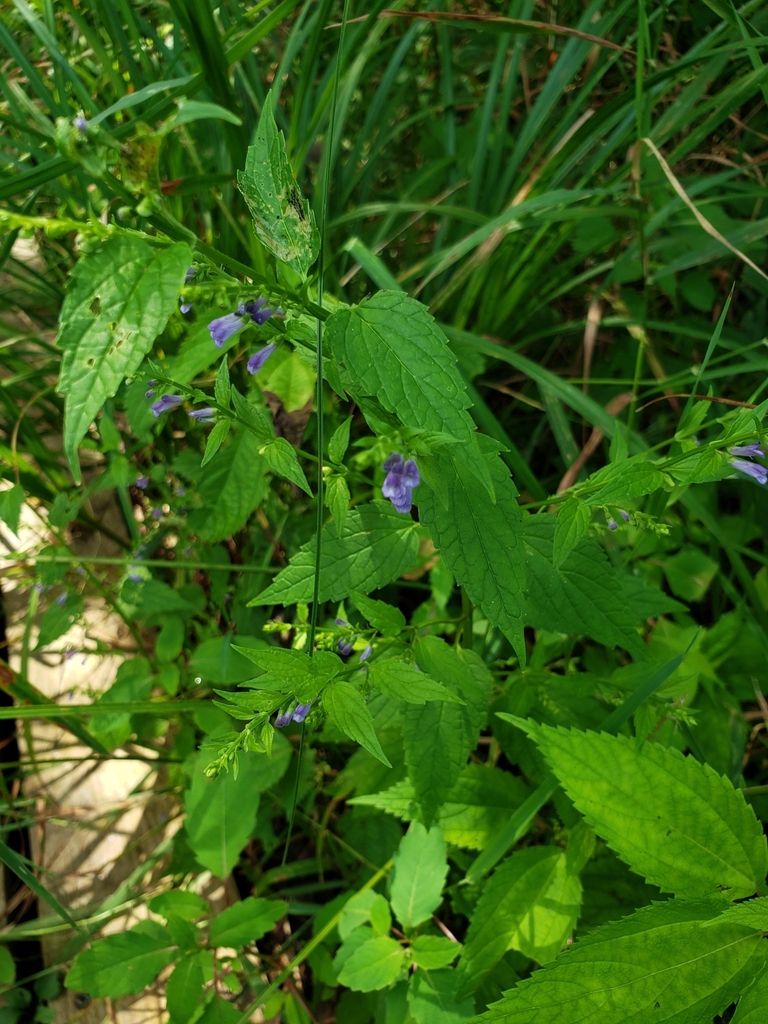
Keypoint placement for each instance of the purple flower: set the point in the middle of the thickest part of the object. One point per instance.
(202, 415)
(400, 481)
(150, 393)
(345, 647)
(624, 515)
(61, 599)
(612, 524)
(283, 719)
(134, 577)
(165, 403)
(257, 311)
(141, 482)
(752, 451)
(80, 123)
(40, 588)
(224, 327)
(753, 469)
(366, 653)
(157, 513)
(191, 271)
(341, 622)
(258, 359)
(185, 306)
(301, 712)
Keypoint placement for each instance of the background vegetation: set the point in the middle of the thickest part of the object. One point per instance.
(575, 192)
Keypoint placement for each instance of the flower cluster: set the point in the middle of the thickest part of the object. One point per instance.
(298, 714)
(402, 476)
(753, 469)
(223, 327)
(346, 647)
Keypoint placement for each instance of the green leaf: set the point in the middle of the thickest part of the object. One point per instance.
(439, 736)
(674, 820)
(659, 964)
(584, 595)
(183, 992)
(432, 952)
(281, 457)
(193, 110)
(11, 501)
(58, 618)
(222, 388)
(572, 524)
(403, 681)
(470, 816)
(337, 498)
(217, 661)
(122, 964)
(751, 1008)
(356, 911)
(339, 442)
(283, 221)
(170, 639)
(290, 377)
(118, 300)
(621, 481)
(374, 965)
(221, 812)
(245, 922)
(179, 903)
(348, 711)
(295, 670)
(505, 909)
(432, 998)
(383, 617)
(230, 488)
(377, 545)
(481, 542)
(18, 865)
(420, 870)
(216, 438)
(396, 353)
(7, 967)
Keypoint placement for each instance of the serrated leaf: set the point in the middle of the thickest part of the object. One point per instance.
(432, 998)
(179, 903)
(624, 971)
(572, 524)
(374, 965)
(183, 991)
(433, 952)
(337, 498)
(282, 218)
(383, 617)
(281, 457)
(584, 595)
(481, 543)
(298, 673)
(339, 442)
(118, 300)
(348, 711)
(215, 440)
(245, 922)
(508, 898)
(470, 816)
(751, 1008)
(621, 481)
(231, 487)
(356, 911)
(396, 353)
(420, 870)
(122, 964)
(405, 682)
(377, 545)
(439, 736)
(221, 812)
(674, 820)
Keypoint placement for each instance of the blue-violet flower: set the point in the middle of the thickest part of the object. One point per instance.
(258, 359)
(753, 469)
(752, 451)
(402, 476)
(165, 403)
(203, 415)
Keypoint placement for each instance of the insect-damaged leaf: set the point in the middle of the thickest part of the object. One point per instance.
(283, 220)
